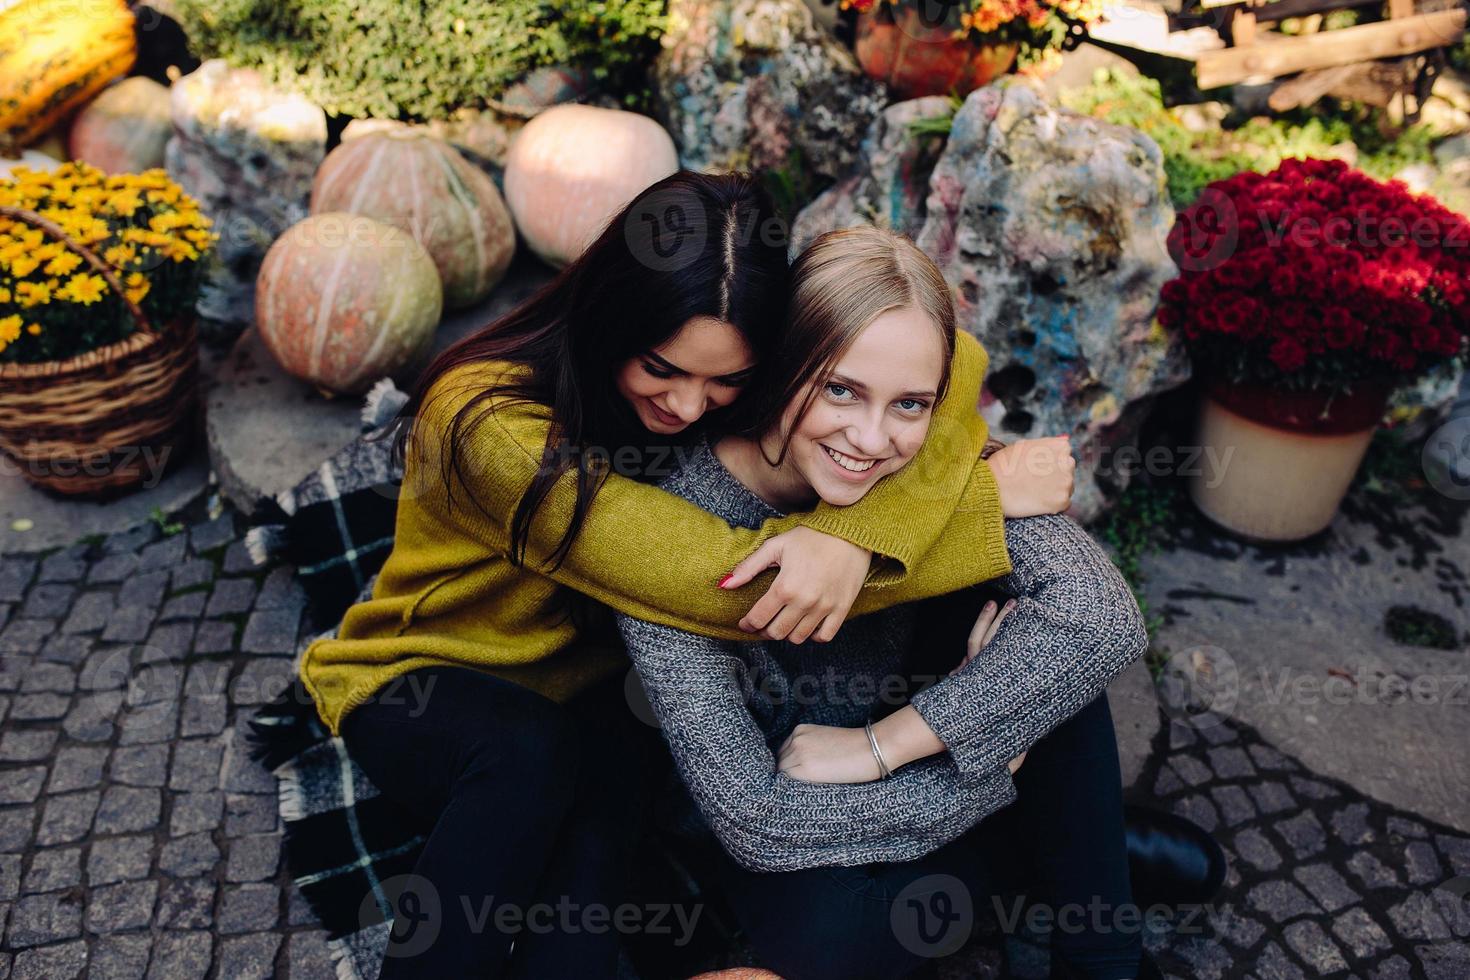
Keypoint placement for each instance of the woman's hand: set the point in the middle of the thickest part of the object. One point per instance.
(827, 754)
(1035, 476)
(820, 578)
(983, 631)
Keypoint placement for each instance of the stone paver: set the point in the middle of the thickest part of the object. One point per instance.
(138, 840)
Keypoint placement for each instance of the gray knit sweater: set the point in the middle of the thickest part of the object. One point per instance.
(725, 706)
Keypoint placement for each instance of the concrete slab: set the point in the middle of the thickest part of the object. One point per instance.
(1292, 641)
(57, 521)
(1136, 719)
(267, 430)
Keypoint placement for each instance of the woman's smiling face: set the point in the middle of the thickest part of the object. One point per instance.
(702, 368)
(869, 417)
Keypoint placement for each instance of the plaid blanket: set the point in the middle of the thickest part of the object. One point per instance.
(336, 526)
(344, 841)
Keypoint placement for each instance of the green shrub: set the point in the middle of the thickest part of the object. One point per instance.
(392, 59)
(1193, 159)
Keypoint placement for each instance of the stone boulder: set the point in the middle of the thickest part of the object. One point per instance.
(247, 153)
(757, 84)
(1051, 227)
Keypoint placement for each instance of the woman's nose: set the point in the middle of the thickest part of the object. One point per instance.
(687, 401)
(868, 436)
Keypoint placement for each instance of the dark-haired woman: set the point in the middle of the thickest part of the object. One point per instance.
(477, 687)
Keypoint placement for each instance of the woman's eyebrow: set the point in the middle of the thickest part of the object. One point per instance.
(666, 365)
(847, 382)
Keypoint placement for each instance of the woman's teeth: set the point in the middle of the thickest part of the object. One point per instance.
(848, 463)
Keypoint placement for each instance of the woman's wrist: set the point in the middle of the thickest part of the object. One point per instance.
(905, 737)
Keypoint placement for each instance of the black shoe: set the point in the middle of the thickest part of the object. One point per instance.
(1171, 861)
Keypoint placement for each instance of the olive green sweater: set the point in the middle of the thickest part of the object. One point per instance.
(450, 595)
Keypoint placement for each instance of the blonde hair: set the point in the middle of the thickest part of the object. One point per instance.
(841, 283)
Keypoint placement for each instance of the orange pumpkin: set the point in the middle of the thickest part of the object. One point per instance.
(124, 130)
(573, 167)
(343, 300)
(421, 184)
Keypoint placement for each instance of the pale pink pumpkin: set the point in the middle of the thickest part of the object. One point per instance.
(343, 300)
(573, 167)
(124, 129)
(417, 182)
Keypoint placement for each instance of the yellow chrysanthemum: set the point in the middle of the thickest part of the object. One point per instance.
(34, 329)
(10, 328)
(136, 293)
(63, 264)
(84, 288)
(28, 294)
(22, 266)
(48, 251)
(123, 204)
(4, 295)
(119, 256)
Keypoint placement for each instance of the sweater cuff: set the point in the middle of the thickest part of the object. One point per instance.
(983, 497)
(949, 711)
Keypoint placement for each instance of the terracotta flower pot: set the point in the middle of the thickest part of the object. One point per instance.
(1278, 463)
(916, 58)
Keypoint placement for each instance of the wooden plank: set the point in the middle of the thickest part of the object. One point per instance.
(1243, 29)
(1386, 39)
(1306, 88)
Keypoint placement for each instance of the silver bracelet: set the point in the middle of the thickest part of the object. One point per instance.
(883, 771)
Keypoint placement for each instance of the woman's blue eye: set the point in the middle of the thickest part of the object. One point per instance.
(911, 405)
(837, 390)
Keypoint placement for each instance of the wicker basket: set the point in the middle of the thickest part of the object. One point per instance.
(108, 420)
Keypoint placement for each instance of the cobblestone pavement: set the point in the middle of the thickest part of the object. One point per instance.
(138, 840)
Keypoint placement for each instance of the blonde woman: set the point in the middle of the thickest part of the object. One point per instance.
(833, 787)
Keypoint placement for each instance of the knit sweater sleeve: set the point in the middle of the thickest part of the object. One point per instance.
(648, 553)
(766, 820)
(1075, 627)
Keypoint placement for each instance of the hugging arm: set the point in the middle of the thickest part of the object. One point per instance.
(768, 821)
(1075, 627)
(899, 520)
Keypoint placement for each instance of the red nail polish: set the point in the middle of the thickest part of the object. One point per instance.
(726, 579)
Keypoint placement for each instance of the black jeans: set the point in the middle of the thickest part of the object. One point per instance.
(1061, 844)
(533, 807)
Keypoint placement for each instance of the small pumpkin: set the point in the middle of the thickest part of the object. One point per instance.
(56, 55)
(573, 167)
(343, 300)
(124, 130)
(416, 182)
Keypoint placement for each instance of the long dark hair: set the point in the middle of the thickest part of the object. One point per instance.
(691, 245)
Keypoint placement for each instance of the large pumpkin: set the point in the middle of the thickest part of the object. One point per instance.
(124, 130)
(343, 300)
(411, 180)
(573, 167)
(54, 56)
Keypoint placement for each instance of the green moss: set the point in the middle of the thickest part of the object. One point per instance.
(1417, 627)
(385, 58)
(1136, 525)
